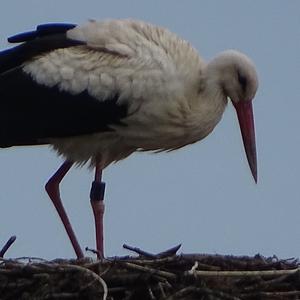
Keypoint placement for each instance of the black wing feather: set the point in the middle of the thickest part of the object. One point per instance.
(41, 31)
(31, 113)
(45, 38)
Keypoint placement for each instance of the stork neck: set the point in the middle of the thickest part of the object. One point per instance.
(213, 93)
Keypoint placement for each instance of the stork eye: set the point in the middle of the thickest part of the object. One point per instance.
(242, 81)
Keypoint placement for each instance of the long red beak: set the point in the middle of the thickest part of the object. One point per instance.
(246, 120)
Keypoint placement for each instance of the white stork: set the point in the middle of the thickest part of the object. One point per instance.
(101, 91)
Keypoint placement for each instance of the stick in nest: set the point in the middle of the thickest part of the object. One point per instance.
(7, 245)
(169, 252)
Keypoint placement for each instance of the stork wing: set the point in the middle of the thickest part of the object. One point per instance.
(32, 111)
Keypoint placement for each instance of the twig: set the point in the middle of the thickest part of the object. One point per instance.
(241, 273)
(282, 295)
(151, 271)
(139, 251)
(152, 297)
(62, 296)
(30, 259)
(267, 284)
(162, 291)
(142, 261)
(91, 273)
(169, 252)
(87, 249)
(7, 245)
(194, 267)
(203, 291)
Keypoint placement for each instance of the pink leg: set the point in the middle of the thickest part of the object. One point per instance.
(97, 202)
(52, 188)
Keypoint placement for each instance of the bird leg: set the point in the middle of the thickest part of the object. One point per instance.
(52, 188)
(97, 202)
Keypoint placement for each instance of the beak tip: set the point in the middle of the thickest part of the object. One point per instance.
(254, 173)
(255, 179)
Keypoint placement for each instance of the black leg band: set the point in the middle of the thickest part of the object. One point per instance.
(97, 191)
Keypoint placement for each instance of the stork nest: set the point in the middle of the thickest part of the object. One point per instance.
(163, 276)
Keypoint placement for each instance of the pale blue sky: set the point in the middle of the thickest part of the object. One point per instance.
(203, 195)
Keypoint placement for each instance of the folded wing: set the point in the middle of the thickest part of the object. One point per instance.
(32, 112)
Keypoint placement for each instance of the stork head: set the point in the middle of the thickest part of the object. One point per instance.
(236, 78)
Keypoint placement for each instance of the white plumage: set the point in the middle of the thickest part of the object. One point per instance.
(159, 76)
(170, 95)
